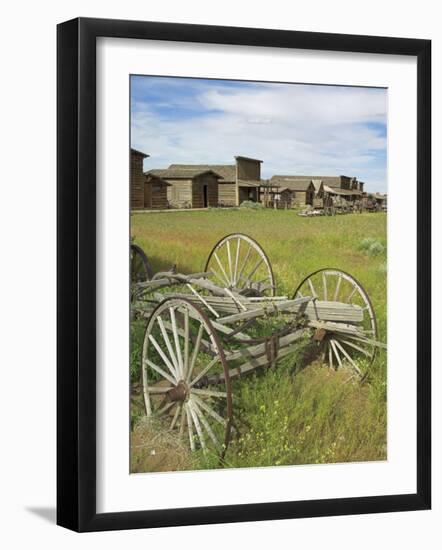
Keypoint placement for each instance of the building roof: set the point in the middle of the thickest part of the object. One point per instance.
(275, 190)
(331, 181)
(294, 184)
(138, 153)
(317, 184)
(251, 183)
(239, 157)
(227, 172)
(342, 192)
(152, 178)
(182, 172)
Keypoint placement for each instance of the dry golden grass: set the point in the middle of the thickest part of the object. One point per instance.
(155, 449)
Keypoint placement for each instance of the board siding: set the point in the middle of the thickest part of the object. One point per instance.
(227, 194)
(158, 192)
(248, 169)
(137, 180)
(179, 194)
(199, 183)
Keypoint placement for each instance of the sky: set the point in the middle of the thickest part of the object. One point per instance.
(297, 129)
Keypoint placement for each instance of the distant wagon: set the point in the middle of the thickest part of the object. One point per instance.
(381, 201)
(375, 202)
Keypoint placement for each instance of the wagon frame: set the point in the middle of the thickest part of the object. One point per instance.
(206, 329)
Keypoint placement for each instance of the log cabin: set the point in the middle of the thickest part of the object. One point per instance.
(303, 190)
(335, 182)
(237, 182)
(227, 195)
(342, 186)
(155, 193)
(189, 187)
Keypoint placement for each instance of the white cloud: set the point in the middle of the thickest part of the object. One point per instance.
(293, 129)
(314, 105)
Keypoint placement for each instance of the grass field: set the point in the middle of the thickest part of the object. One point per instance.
(296, 413)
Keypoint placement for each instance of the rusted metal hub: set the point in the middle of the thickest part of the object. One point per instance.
(320, 334)
(180, 392)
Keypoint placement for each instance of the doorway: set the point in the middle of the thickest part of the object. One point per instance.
(205, 196)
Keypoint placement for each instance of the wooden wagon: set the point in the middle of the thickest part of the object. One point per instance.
(206, 329)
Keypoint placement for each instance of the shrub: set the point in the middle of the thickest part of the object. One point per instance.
(372, 246)
(383, 267)
(366, 243)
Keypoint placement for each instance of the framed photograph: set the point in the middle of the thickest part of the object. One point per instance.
(243, 274)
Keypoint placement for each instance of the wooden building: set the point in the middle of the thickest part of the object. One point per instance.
(348, 195)
(318, 196)
(189, 187)
(285, 198)
(237, 182)
(334, 182)
(374, 202)
(342, 200)
(303, 190)
(227, 195)
(155, 193)
(248, 179)
(275, 196)
(269, 194)
(347, 188)
(137, 179)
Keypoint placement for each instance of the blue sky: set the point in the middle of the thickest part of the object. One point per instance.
(294, 128)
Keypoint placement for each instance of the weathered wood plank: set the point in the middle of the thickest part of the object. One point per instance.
(251, 365)
(259, 349)
(315, 310)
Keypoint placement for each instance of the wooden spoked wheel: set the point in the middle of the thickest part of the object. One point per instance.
(186, 383)
(140, 269)
(237, 262)
(341, 348)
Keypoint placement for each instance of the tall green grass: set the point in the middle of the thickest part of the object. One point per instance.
(292, 414)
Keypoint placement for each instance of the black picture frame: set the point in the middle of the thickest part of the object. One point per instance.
(76, 274)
